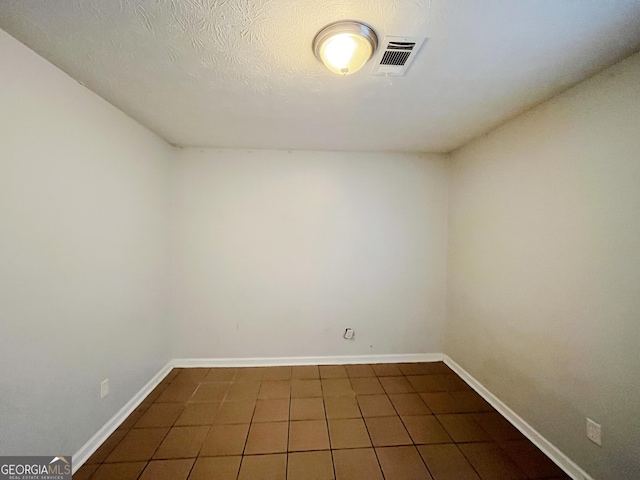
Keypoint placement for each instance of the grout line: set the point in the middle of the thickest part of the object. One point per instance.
(210, 426)
(400, 418)
(405, 427)
(169, 429)
(246, 440)
(286, 453)
(326, 420)
(375, 453)
(186, 403)
(492, 441)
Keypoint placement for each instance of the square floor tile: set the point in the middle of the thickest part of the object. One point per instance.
(178, 392)
(387, 431)
(435, 368)
(182, 442)
(210, 392)
(305, 372)
(427, 383)
(197, 414)
(425, 429)
(402, 463)
(491, 462)
(396, 385)
(216, 468)
(118, 471)
(306, 435)
(272, 410)
(107, 447)
(242, 391)
(531, 460)
(333, 371)
(307, 409)
(463, 428)
(156, 392)
(267, 438)
(438, 383)
(356, 464)
(193, 375)
(144, 406)
(441, 402)
(367, 386)
(376, 406)
(358, 371)
(225, 440)
(305, 388)
(160, 415)
(386, 370)
(498, 427)
(168, 469)
(263, 467)
(220, 375)
(446, 462)
(131, 420)
(348, 433)
(310, 466)
(275, 389)
(235, 412)
(138, 445)
(250, 374)
(276, 373)
(342, 407)
(470, 401)
(409, 404)
(412, 368)
(86, 470)
(337, 387)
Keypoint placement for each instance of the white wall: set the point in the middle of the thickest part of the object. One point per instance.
(277, 252)
(544, 268)
(83, 256)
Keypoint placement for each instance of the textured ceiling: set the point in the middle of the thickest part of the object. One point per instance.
(241, 73)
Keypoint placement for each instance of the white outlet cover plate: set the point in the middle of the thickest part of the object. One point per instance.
(594, 432)
(104, 388)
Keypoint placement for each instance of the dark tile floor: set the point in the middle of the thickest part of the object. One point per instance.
(352, 422)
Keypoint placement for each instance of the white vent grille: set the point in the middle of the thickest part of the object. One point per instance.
(396, 54)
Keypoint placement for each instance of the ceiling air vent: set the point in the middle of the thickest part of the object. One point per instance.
(396, 54)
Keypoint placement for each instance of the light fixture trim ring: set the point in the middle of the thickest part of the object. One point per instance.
(345, 26)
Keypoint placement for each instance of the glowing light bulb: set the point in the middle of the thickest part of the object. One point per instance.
(338, 51)
(345, 52)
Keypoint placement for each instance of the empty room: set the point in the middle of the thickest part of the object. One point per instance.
(320, 240)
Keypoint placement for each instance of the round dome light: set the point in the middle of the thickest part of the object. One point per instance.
(344, 47)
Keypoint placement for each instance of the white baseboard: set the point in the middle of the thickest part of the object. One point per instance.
(285, 361)
(549, 449)
(94, 443)
(82, 455)
(564, 462)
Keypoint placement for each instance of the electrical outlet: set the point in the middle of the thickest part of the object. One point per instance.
(349, 333)
(104, 388)
(594, 432)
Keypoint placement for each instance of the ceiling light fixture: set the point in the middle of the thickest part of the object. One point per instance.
(345, 46)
